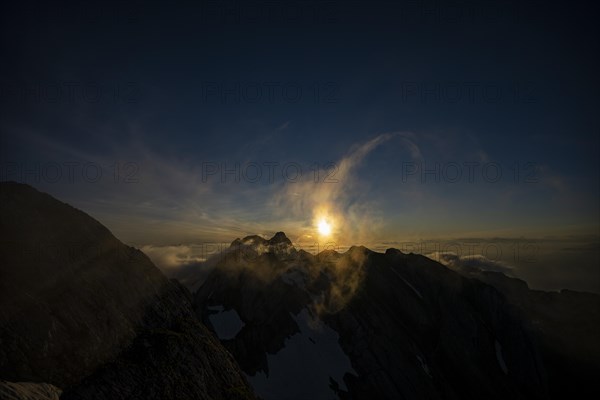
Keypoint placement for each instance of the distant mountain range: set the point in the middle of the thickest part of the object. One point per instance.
(83, 316)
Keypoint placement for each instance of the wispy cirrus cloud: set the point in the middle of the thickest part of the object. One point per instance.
(340, 197)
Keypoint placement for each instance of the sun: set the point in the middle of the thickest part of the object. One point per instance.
(324, 227)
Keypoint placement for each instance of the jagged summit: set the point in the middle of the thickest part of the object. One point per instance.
(394, 251)
(278, 238)
(359, 250)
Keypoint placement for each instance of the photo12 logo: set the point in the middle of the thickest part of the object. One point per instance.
(271, 92)
(471, 92)
(70, 172)
(71, 92)
(251, 12)
(469, 172)
(268, 172)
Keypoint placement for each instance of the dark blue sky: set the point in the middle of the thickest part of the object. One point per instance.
(165, 92)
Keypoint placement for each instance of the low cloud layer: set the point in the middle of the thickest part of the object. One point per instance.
(169, 258)
(475, 262)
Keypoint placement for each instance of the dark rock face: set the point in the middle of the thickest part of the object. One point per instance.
(411, 327)
(173, 357)
(566, 325)
(75, 302)
(28, 391)
(71, 293)
(419, 331)
(280, 238)
(266, 303)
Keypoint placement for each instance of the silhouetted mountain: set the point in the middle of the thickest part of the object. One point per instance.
(566, 324)
(280, 238)
(366, 325)
(84, 312)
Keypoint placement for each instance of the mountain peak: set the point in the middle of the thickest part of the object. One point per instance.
(280, 237)
(359, 250)
(236, 242)
(277, 239)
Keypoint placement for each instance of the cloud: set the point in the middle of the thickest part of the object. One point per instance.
(471, 263)
(190, 264)
(152, 197)
(169, 258)
(348, 273)
(339, 196)
(409, 141)
(170, 202)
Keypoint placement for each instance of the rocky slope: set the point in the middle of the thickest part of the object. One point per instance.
(94, 317)
(28, 391)
(566, 324)
(407, 326)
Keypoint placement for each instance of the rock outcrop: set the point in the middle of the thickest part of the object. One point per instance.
(28, 391)
(84, 312)
(566, 325)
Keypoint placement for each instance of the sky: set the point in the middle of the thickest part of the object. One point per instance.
(465, 127)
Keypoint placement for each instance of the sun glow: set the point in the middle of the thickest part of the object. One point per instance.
(324, 227)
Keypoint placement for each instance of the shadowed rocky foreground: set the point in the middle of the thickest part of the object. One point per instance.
(83, 312)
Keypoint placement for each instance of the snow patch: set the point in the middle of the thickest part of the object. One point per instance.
(414, 289)
(301, 370)
(424, 365)
(227, 324)
(500, 358)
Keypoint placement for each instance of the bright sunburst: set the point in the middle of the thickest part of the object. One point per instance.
(324, 227)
